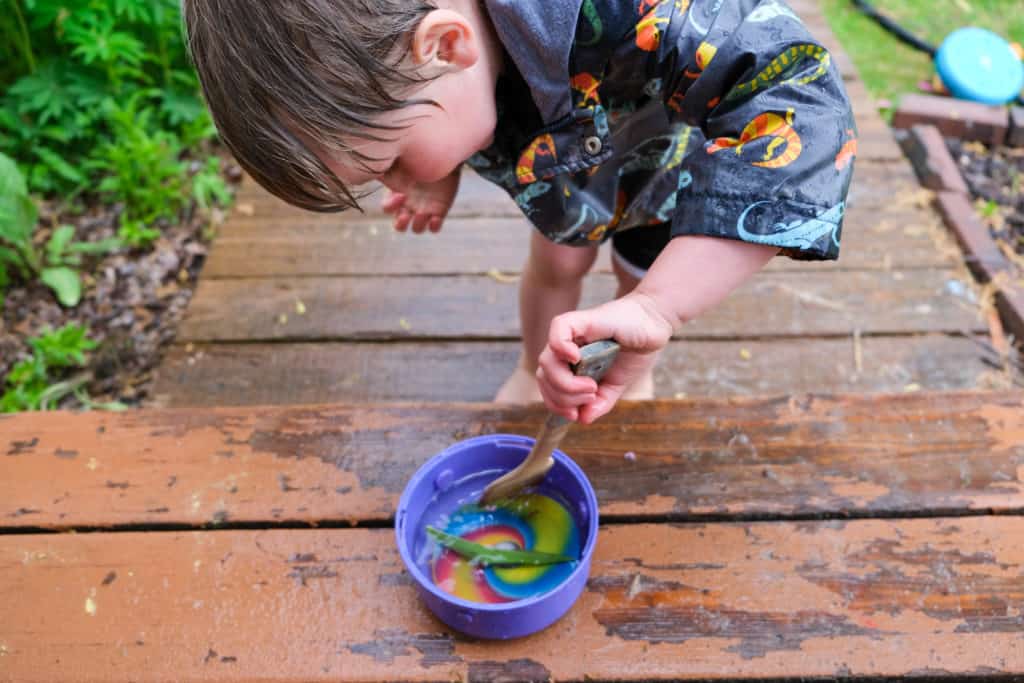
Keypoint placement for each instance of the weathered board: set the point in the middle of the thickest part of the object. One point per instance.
(814, 303)
(915, 598)
(293, 244)
(936, 453)
(290, 374)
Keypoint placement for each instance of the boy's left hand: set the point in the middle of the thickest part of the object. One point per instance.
(421, 206)
(633, 321)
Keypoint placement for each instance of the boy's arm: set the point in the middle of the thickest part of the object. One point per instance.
(772, 177)
(690, 276)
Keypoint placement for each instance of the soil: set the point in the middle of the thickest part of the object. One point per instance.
(132, 300)
(995, 178)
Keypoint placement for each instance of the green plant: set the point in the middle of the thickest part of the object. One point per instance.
(17, 223)
(136, 234)
(63, 258)
(99, 96)
(208, 185)
(57, 264)
(989, 208)
(141, 166)
(32, 383)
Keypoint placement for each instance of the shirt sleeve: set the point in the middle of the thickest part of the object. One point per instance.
(777, 159)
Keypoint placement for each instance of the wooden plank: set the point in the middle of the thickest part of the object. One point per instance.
(781, 456)
(935, 598)
(889, 224)
(304, 244)
(292, 374)
(814, 303)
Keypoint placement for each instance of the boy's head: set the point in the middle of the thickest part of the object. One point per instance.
(315, 97)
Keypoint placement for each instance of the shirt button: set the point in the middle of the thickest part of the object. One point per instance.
(592, 145)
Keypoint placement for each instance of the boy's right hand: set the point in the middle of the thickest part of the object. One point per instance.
(421, 205)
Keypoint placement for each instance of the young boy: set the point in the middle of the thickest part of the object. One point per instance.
(702, 137)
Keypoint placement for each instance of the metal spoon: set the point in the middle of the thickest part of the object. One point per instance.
(595, 359)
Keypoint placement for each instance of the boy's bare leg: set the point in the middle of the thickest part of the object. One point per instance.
(551, 284)
(643, 388)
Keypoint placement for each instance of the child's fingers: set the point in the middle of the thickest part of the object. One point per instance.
(555, 402)
(402, 220)
(434, 225)
(601, 405)
(562, 340)
(419, 222)
(569, 385)
(392, 202)
(559, 377)
(571, 330)
(564, 404)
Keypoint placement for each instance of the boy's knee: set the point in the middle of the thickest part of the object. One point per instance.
(558, 265)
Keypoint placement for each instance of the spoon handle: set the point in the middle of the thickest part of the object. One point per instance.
(595, 359)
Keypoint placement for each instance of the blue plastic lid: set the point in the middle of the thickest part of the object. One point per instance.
(976, 64)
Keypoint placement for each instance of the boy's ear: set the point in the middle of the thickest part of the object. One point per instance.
(445, 38)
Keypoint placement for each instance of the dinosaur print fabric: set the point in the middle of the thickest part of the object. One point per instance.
(716, 117)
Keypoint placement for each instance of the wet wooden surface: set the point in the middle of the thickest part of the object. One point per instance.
(466, 307)
(784, 536)
(920, 598)
(780, 538)
(804, 455)
(291, 374)
(345, 300)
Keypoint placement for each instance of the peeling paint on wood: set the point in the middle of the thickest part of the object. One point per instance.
(804, 455)
(20, 447)
(388, 644)
(865, 598)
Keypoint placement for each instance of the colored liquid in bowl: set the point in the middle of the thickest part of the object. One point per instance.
(536, 521)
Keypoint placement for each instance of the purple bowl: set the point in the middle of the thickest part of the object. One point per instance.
(456, 474)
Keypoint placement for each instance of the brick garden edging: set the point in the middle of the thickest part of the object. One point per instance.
(921, 122)
(958, 118)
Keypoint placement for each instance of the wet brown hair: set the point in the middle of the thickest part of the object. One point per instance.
(279, 74)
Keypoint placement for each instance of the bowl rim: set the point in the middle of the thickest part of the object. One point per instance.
(424, 583)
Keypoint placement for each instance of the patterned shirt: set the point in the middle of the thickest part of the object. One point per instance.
(718, 117)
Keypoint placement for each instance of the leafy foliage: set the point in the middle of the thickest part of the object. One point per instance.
(57, 263)
(31, 383)
(99, 97)
(98, 102)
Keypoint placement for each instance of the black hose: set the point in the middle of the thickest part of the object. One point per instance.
(894, 28)
(902, 33)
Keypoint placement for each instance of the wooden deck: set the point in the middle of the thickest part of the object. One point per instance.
(789, 539)
(869, 530)
(295, 307)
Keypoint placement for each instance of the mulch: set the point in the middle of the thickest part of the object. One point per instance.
(132, 300)
(995, 178)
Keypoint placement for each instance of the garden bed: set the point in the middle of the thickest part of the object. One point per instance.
(995, 179)
(111, 185)
(132, 301)
(971, 154)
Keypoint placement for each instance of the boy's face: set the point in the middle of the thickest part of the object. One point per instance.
(460, 50)
(432, 144)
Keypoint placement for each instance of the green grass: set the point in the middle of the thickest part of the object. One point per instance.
(890, 68)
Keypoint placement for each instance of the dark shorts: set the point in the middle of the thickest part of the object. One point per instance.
(638, 247)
